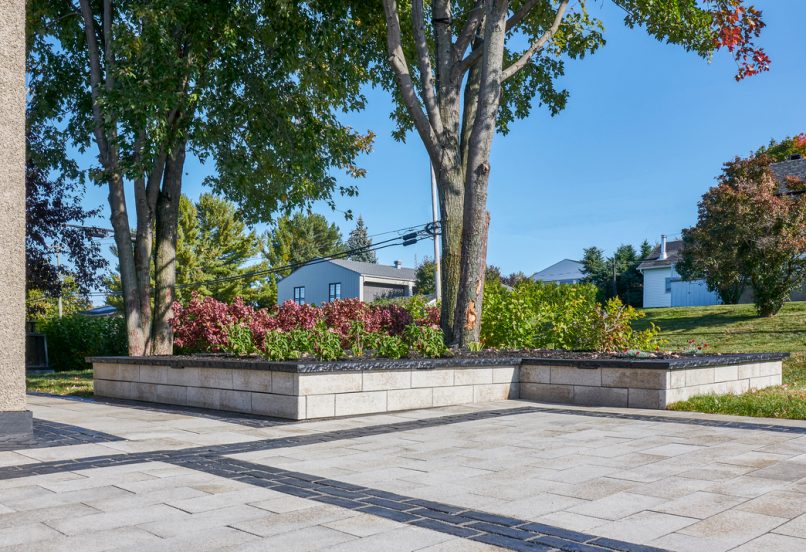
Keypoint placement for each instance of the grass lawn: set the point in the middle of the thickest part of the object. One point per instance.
(736, 329)
(77, 383)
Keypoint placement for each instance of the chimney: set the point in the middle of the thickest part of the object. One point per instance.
(398, 264)
(663, 254)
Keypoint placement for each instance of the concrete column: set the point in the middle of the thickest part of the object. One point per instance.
(15, 420)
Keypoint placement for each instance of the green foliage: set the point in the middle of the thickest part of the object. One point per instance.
(290, 345)
(239, 341)
(74, 337)
(424, 284)
(781, 150)
(428, 341)
(300, 238)
(214, 243)
(388, 346)
(616, 276)
(41, 305)
(749, 232)
(326, 344)
(359, 239)
(552, 316)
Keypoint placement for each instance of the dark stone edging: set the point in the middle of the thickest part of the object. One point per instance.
(307, 367)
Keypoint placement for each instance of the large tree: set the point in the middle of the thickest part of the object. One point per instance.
(54, 219)
(748, 231)
(217, 254)
(617, 275)
(479, 64)
(254, 86)
(360, 242)
(300, 238)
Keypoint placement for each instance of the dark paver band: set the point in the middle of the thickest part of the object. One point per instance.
(503, 531)
(42, 468)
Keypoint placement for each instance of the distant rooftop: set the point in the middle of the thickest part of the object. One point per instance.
(674, 251)
(378, 270)
(790, 168)
(564, 270)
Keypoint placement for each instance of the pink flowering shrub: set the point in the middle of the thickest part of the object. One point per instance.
(204, 323)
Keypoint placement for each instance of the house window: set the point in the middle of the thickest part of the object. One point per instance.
(333, 291)
(299, 295)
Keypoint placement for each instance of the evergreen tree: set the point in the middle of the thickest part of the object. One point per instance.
(424, 285)
(299, 239)
(359, 238)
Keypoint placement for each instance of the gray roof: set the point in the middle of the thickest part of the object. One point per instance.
(378, 270)
(566, 269)
(674, 251)
(793, 167)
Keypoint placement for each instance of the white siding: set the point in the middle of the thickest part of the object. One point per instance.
(316, 279)
(655, 294)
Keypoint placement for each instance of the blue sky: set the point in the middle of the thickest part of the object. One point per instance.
(646, 130)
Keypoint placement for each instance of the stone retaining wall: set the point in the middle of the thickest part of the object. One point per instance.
(322, 390)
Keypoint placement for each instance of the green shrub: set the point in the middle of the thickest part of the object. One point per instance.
(429, 341)
(552, 316)
(325, 343)
(74, 337)
(388, 346)
(240, 341)
(291, 345)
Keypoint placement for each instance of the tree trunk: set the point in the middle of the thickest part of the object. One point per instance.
(128, 271)
(165, 275)
(451, 199)
(467, 320)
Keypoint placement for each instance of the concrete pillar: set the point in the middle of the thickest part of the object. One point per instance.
(15, 420)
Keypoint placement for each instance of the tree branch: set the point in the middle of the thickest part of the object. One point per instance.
(536, 45)
(424, 65)
(397, 60)
(469, 30)
(519, 15)
(95, 80)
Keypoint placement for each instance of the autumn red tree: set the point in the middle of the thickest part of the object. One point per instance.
(748, 231)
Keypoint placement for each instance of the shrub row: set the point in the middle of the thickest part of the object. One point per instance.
(74, 337)
(538, 315)
(293, 331)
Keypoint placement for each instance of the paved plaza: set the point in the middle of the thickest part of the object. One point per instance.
(511, 475)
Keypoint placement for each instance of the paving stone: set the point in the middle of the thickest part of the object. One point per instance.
(699, 505)
(794, 528)
(773, 542)
(363, 525)
(617, 506)
(644, 527)
(118, 518)
(785, 504)
(732, 528)
(27, 534)
(205, 520)
(96, 541)
(291, 521)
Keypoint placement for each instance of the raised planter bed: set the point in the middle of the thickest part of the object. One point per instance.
(308, 389)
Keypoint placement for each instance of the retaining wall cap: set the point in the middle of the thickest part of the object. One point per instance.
(211, 361)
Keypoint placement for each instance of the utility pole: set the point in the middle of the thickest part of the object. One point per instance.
(435, 217)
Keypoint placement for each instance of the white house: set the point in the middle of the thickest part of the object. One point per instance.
(663, 286)
(323, 281)
(563, 272)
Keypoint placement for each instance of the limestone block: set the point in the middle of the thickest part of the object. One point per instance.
(635, 378)
(333, 382)
(386, 379)
(726, 373)
(215, 378)
(535, 374)
(699, 376)
(432, 378)
(600, 396)
(321, 406)
(571, 375)
(284, 383)
(546, 392)
(491, 392)
(114, 389)
(506, 374)
(677, 378)
(281, 406)
(252, 380)
(445, 396)
(366, 402)
(408, 399)
(646, 398)
(237, 401)
(167, 375)
(472, 376)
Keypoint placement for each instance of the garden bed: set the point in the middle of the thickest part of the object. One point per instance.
(309, 389)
